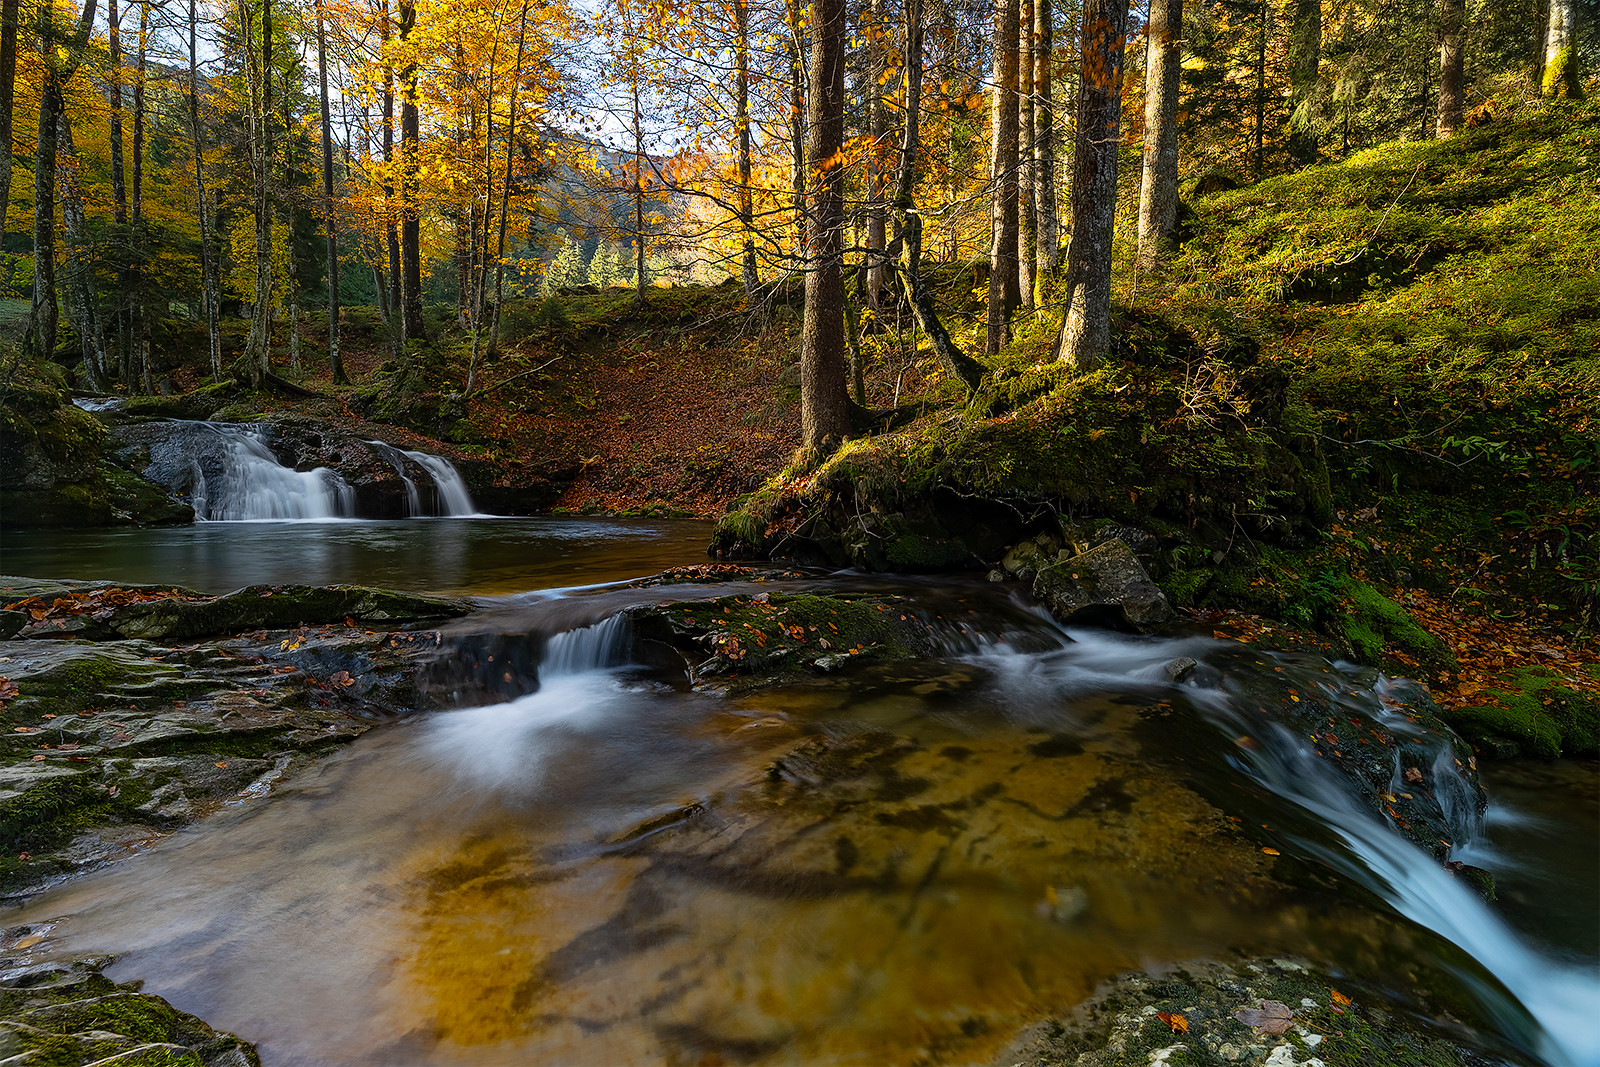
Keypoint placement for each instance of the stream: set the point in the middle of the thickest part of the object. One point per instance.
(899, 862)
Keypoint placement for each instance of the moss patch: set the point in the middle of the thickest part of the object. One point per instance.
(1533, 715)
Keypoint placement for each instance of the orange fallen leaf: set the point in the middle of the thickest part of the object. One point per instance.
(1338, 997)
(219, 765)
(1179, 1024)
(1272, 852)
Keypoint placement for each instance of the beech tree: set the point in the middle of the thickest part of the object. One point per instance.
(1560, 52)
(1086, 332)
(8, 84)
(824, 401)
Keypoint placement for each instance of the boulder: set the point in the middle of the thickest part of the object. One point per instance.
(1106, 584)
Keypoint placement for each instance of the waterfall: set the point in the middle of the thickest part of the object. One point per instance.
(244, 480)
(450, 491)
(453, 496)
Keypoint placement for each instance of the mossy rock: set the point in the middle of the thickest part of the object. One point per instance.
(70, 1014)
(1532, 714)
(768, 636)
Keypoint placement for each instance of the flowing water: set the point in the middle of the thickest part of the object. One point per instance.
(903, 862)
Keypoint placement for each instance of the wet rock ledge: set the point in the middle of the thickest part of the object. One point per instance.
(1247, 1013)
(127, 712)
(70, 1013)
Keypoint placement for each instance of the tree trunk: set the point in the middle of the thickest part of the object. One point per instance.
(638, 193)
(335, 363)
(877, 130)
(1561, 53)
(8, 82)
(44, 315)
(391, 231)
(1261, 87)
(505, 197)
(957, 364)
(797, 122)
(1158, 195)
(79, 266)
(1086, 332)
(119, 187)
(207, 252)
(824, 401)
(1027, 215)
(1048, 239)
(257, 362)
(140, 313)
(741, 118)
(411, 211)
(1004, 296)
(1305, 56)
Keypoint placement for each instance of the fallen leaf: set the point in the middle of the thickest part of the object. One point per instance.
(1272, 852)
(1273, 1017)
(219, 765)
(1338, 997)
(1179, 1024)
(1413, 774)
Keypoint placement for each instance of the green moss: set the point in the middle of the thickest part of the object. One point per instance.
(1376, 625)
(1533, 715)
(1184, 588)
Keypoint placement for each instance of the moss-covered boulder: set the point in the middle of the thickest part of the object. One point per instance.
(70, 1013)
(1531, 713)
(1104, 584)
(53, 470)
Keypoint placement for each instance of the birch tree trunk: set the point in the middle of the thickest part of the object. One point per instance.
(824, 401)
(1158, 194)
(1086, 332)
(1003, 293)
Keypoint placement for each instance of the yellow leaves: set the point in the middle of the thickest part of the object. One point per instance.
(1179, 1024)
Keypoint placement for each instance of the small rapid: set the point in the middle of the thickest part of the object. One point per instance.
(578, 856)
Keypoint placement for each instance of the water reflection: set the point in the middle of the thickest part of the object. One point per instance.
(457, 556)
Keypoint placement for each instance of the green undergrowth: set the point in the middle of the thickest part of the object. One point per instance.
(1532, 714)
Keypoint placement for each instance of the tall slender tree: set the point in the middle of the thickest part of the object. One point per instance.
(1004, 296)
(335, 363)
(1027, 213)
(410, 182)
(8, 82)
(1086, 332)
(741, 118)
(257, 362)
(210, 280)
(1047, 243)
(824, 401)
(1158, 194)
(61, 55)
(1452, 66)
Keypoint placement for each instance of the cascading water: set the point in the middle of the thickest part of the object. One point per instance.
(243, 480)
(450, 495)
